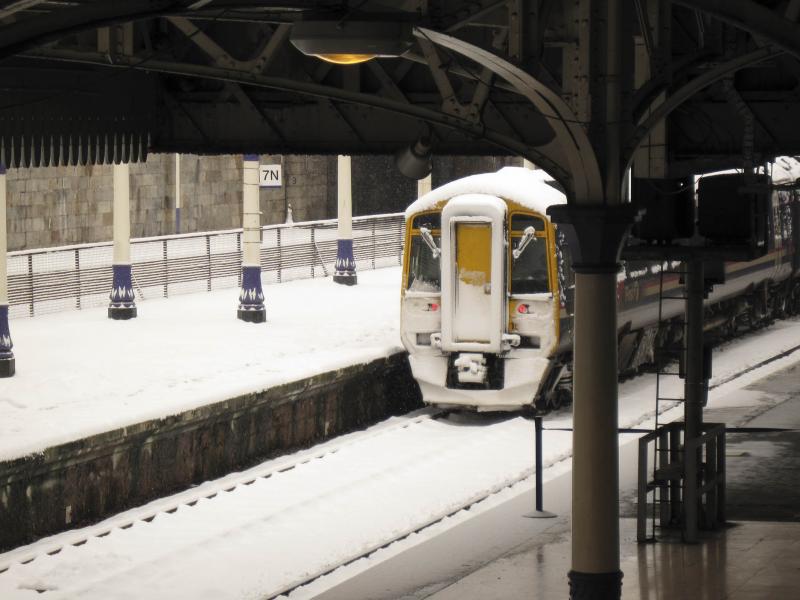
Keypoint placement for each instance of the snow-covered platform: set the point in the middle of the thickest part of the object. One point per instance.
(499, 553)
(103, 414)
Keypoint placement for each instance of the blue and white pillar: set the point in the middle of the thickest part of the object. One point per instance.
(123, 301)
(345, 268)
(6, 355)
(177, 193)
(251, 296)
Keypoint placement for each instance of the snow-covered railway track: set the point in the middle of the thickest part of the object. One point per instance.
(330, 505)
(207, 491)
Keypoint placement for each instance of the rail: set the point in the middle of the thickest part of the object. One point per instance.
(50, 280)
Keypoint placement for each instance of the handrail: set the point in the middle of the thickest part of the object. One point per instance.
(46, 280)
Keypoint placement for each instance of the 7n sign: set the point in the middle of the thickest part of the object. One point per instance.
(269, 176)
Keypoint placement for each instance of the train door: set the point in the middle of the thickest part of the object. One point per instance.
(473, 274)
(473, 280)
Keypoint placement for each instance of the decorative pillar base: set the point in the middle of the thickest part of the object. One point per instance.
(252, 316)
(345, 268)
(7, 367)
(345, 278)
(595, 586)
(121, 313)
(123, 305)
(251, 297)
(7, 364)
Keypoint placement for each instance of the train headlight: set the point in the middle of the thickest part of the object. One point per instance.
(431, 307)
(423, 339)
(523, 309)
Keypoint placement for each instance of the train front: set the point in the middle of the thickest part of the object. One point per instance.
(480, 304)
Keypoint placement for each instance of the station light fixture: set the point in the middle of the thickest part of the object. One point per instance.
(414, 161)
(346, 42)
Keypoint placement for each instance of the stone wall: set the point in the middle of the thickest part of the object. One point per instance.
(57, 206)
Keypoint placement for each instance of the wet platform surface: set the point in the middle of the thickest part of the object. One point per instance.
(755, 556)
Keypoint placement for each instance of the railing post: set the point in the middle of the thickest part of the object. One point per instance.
(77, 278)
(710, 475)
(400, 243)
(208, 260)
(373, 244)
(239, 250)
(280, 254)
(721, 477)
(675, 484)
(641, 512)
(30, 283)
(313, 241)
(164, 256)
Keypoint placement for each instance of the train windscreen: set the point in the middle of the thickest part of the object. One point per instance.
(424, 271)
(529, 274)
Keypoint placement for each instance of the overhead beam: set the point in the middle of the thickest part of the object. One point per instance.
(685, 92)
(753, 18)
(11, 8)
(513, 146)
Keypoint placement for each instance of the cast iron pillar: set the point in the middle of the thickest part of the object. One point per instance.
(595, 235)
(251, 296)
(7, 363)
(694, 392)
(123, 301)
(345, 268)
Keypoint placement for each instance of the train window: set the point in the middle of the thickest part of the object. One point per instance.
(520, 222)
(430, 221)
(529, 271)
(424, 271)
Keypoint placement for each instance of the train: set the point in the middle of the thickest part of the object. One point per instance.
(487, 291)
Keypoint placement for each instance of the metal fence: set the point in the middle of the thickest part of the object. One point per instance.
(75, 277)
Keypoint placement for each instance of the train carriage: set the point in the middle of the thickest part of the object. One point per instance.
(487, 290)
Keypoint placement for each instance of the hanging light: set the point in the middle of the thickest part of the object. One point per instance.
(346, 42)
(414, 161)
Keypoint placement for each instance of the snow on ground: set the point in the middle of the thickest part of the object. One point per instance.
(253, 540)
(79, 373)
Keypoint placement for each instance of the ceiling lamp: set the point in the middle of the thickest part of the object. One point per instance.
(414, 161)
(346, 42)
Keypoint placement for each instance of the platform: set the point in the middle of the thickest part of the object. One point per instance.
(103, 415)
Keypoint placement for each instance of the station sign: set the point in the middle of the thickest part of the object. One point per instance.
(269, 176)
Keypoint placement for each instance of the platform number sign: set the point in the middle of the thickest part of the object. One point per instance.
(269, 176)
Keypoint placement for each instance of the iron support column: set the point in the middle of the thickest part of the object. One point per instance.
(251, 295)
(694, 392)
(7, 362)
(123, 300)
(595, 235)
(345, 268)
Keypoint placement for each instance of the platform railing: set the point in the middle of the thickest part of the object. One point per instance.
(662, 478)
(50, 280)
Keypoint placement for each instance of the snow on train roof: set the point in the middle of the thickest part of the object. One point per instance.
(785, 169)
(527, 187)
